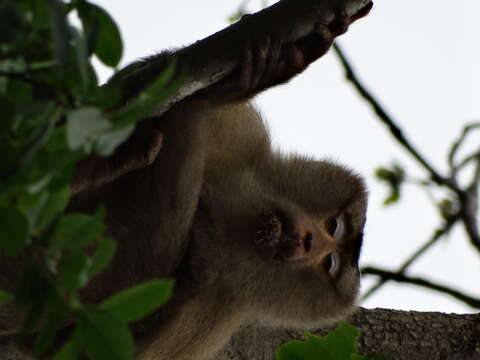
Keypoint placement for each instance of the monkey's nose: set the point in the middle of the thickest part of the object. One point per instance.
(307, 241)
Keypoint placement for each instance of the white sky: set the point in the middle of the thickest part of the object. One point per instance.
(422, 60)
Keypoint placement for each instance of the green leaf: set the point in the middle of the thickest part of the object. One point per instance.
(73, 269)
(76, 231)
(8, 115)
(70, 350)
(104, 336)
(394, 178)
(63, 178)
(139, 301)
(161, 89)
(82, 58)
(11, 21)
(302, 350)
(61, 30)
(58, 140)
(41, 18)
(56, 203)
(5, 297)
(46, 336)
(15, 229)
(341, 341)
(108, 142)
(103, 255)
(339, 344)
(104, 33)
(32, 287)
(39, 184)
(67, 352)
(85, 125)
(48, 120)
(34, 317)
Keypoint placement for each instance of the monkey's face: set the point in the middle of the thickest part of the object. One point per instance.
(311, 264)
(298, 264)
(292, 240)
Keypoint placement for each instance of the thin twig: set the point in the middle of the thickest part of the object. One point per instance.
(476, 174)
(468, 159)
(469, 209)
(457, 144)
(389, 122)
(437, 235)
(387, 275)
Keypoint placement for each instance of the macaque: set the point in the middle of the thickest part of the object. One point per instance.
(249, 234)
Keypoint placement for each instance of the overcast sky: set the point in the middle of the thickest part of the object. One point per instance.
(422, 60)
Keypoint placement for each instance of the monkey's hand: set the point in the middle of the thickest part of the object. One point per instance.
(268, 61)
(138, 152)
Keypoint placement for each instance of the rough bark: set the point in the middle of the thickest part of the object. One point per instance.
(399, 335)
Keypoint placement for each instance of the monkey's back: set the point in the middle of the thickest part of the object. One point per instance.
(237, 137)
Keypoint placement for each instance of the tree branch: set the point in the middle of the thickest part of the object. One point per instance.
(456, 146)
(399, 277)
(206, 62)
(437, 235)
(211, 59)
(399, 335)
(468, 198)
(388, 120)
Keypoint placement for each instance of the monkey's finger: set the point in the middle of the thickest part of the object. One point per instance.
(271, 67)
(261, 49)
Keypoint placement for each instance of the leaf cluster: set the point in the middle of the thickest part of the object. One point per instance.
(393, 177)
(54, 113)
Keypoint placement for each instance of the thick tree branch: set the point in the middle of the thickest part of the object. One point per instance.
(400, 335)
(399, 277)
(208, 61)
(211, 59)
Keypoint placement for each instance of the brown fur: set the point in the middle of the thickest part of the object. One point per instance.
(195, 214)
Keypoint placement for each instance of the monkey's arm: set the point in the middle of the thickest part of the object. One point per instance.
(308, 23)
(95, 171)
(305, 29)
(150, 209)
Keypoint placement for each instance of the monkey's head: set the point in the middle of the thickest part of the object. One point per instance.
(297, 264)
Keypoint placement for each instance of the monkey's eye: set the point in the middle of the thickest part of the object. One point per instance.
(332, 263)
(340, 228)
(336, 227)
